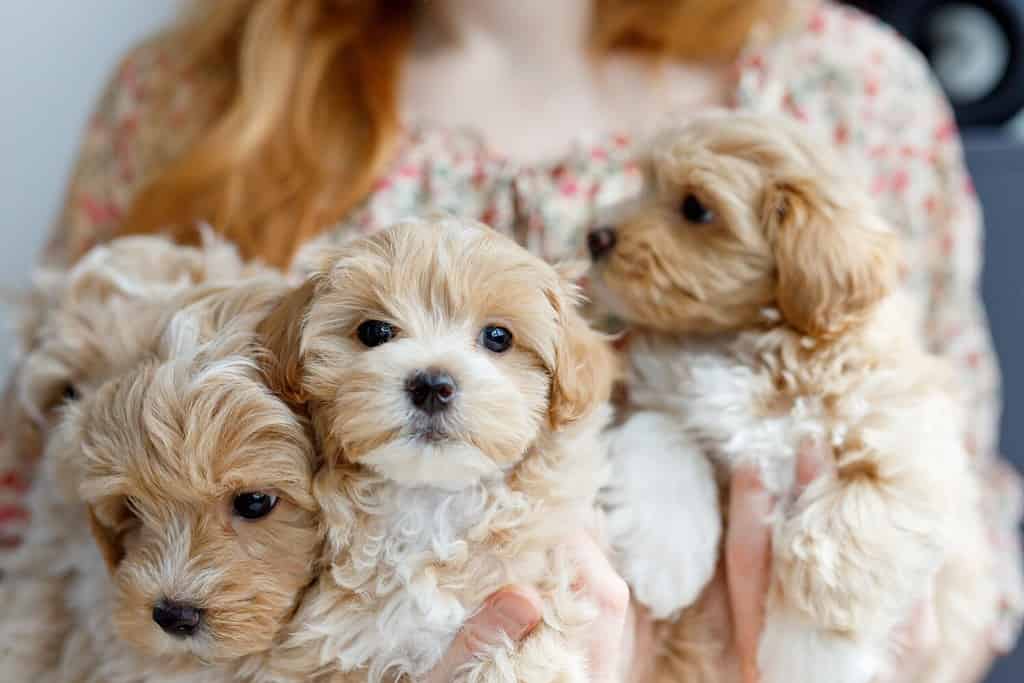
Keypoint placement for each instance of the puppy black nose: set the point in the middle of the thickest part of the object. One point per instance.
(176, 618)
(431, 390)
(600, 241)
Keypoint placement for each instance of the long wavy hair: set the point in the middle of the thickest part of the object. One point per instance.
(301, 112)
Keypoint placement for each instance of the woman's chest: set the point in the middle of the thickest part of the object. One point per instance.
(532, 114)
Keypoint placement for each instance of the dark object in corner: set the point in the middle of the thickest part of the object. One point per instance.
(975, 48)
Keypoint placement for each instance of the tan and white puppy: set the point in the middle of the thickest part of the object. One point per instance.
(459, 398)
(758, 279)
(77, 327)
(166, 462)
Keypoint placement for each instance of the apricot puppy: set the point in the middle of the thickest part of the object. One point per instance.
(78, 327)
(459, 398)
(195, 483)
(759, 281)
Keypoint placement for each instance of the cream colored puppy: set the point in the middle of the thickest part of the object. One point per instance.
(195, 482)
(759, 283)
(459, 398)
(80, 326)
(105, 364)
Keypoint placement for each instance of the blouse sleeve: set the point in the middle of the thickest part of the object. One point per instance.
(862, 87)
(957, 328)
(120, 144)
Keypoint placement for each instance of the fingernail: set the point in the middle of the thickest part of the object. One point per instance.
(516, 615)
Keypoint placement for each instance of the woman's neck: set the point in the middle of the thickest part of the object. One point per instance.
(541, 32)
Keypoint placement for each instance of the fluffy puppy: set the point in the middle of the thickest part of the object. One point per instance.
(459, 397)
(196, 484)
(759, 283)
(73, 330)
(135, 390)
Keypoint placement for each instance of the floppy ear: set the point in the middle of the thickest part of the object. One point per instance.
(281, 335)
(584, 363)
(834, 262)
(108, 540)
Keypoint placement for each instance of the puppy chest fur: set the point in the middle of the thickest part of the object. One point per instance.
(757, 397)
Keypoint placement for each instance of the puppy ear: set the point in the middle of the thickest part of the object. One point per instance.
(281, 336)
(108, 540)
(835, 262)
(583, 365)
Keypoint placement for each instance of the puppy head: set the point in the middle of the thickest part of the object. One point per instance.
(198, 485)
(437, 352)
(76, 328)
(746, 214)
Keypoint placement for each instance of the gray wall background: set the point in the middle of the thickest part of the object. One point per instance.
(56, 54)
(997, 164)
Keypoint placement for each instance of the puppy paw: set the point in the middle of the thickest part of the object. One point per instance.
(662, 511)
(794, 649)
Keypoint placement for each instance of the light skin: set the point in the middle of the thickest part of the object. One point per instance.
(531, 56)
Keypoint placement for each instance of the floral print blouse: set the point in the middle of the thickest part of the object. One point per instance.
(852, 80)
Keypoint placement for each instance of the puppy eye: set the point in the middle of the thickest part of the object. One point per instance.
(694, 211)
(496, 339)
(375, 332)
(69, 393)
(254, 505)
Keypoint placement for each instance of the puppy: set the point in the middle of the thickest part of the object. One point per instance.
(459, 398)
(758, 281)
(77, 327)
(166, 463)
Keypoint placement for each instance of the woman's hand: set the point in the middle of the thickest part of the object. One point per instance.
(516, 610)
(513, 611)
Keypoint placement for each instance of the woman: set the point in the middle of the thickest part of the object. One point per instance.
(284, 121)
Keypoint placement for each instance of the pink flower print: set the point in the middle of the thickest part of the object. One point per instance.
(900, 181)
(878, 152)
(789, 102)
(97, 211)
(12, 513)
(841, 134)
(946, 244)
(755, 62)
(945, 131)
(12, 481)
(479, 178)
(409, 171)
(817, 23)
